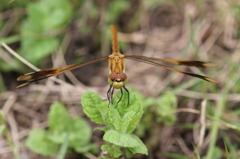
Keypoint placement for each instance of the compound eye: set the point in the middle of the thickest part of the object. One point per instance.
(113, 76)
(122, 76)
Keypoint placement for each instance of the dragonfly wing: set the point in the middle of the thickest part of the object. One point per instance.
(36, 76)
(175, 62)
(148, 61)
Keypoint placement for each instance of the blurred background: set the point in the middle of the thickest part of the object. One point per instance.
(184, 117)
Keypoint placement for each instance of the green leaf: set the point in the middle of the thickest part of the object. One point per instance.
(139, 149)
(58, 118)
(57, 137)
(112, 150)
(48, 15)
(60, 124)
(133, 117)
(38, 142)
(115, 9)
(38, 32)
(131, 120)
(86, 148)
(94, 107)
(113, 119)
(123, 107)
(80, 133)
(166, 108)
(36, 49)
(121, 139)
(130, 114)
(101, 128)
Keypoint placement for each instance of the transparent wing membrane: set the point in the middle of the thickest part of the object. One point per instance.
(176, 62)
(151, 61)
(36, 76)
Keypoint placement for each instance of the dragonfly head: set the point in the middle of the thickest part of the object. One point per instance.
(117, 80)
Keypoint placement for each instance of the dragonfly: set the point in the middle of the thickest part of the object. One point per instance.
(117, 76)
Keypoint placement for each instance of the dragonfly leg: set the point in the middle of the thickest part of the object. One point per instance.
(109, 94)
(127, 94)
(120, 97)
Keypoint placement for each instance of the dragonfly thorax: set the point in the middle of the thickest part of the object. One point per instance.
(117, 80)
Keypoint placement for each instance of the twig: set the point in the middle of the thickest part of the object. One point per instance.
(14, 129)
(183, 146)
(202, 124)
(19, 57)
(90, 156)
(31, 65)
(189, 110)
(8, 104)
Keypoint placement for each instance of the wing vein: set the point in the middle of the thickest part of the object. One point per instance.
(148, 61)
(39, 75)
(175, 62)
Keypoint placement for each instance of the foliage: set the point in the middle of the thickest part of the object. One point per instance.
(39, 30)
(114, 10)
(61, 125)
(119, 120)
(160, 111)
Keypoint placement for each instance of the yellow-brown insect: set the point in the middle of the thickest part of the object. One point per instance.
(117, 76)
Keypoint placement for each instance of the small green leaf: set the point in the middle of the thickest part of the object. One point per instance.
(130, 114)
(94, 107)
(80, 133)
(34, 49)
(38, 142)
(113, 119)
(86, 148)
(47, 15)
(57, 137)
(44, 22)
(133, 118)
(122, 105)
(60, 124)
(121, 139)
(58, 118)
(127, 122)
(112, 150)
(101, 128)
(139, 149)
(166, 108)
(134, 103)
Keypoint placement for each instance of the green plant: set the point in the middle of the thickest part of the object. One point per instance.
(39, 31)
(71, 133)
(158, 113)
(119, 120)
